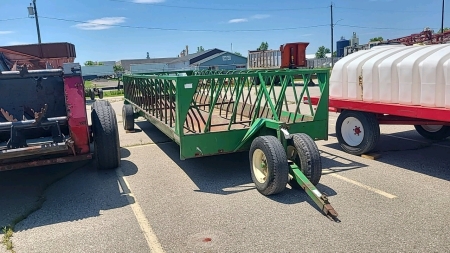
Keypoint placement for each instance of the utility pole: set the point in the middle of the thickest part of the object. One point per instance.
(33, 11)
(442, 21)
(332, 35)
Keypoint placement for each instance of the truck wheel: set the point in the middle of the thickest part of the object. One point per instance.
(433, 132)
(92, 94)
(128, 117)
(357, 132)
(100, 93)
(268, 165)
(303, 151)
(106, 135)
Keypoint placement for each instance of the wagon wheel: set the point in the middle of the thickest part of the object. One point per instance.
(433, 132)
(357, 132)
(303, 151)
(268, 165)
(100, 93)
(127, 117)
(92, 94)
(106, 135)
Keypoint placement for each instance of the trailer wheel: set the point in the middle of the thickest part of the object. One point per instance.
(100, 93)
(433, 132)
(268, 165)
(92, 94)
(127, 117)
(303, 151)
(106, 135)
(357, 132)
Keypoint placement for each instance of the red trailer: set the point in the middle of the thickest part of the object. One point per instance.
(397, 85)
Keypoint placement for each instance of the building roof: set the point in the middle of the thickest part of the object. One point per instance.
(151, 60)
(215, 56)
(193, 58)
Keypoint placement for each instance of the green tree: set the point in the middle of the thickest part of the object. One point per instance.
(445, 29)
(92, 63)
(263, 46)
(322, 52)
(118, 68)
(237, 53)
(200, 49)
(376, 39)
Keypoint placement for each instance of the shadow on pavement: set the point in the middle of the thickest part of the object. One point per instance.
(75, 191)
(222, 174)
(414, 153)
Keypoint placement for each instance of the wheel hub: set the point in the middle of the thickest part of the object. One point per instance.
(352, 131)
(260, 166)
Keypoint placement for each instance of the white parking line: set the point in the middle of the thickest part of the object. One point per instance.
(382, 193)
(150, 236)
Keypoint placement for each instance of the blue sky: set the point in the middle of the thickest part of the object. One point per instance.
(128, 29)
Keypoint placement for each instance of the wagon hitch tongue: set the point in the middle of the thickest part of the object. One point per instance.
(319, 198)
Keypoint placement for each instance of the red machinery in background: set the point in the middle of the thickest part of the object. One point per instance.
(426, 37)
(36, 56)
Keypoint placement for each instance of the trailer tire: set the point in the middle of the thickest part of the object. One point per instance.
(273, 178)
(128, 117)
(433, 132)
(106, 135)
(364, 125)
(303, 151)
(100, 93)
(92, 94)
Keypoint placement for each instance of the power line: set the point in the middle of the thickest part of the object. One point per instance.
(385, 10)
(223, 9)
(381, 28)
(185, 30)
(9, 19)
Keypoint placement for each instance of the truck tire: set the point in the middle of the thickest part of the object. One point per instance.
(128, 117)
(268, 165)
(357, 132)
(433, 132)
(106, 135)
(303, 151)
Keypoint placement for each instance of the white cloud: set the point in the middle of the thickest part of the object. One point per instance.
(100, 23)
(260, 16)
(237, 20)
(13, 43)
(148, 1)
(6, 32)
(241, 20)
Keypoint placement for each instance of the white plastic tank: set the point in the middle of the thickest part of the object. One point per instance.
(354, 71)
(432, 78)
(388, 75)
(338, 78)
(370, 73)
(409, 75)
(447, 83)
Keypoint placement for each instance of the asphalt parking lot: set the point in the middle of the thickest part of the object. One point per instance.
(157, 203)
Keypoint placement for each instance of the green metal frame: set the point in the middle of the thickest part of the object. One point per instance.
(182, 89)
(184, 104)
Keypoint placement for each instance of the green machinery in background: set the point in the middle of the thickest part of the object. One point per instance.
(261, 111)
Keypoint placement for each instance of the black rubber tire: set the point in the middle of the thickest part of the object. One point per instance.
(100, 93)
(278, 169)
(371, 132)
(128, 117)
(106, 135)
(307, 158)
(441, 134)
(92, 94)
